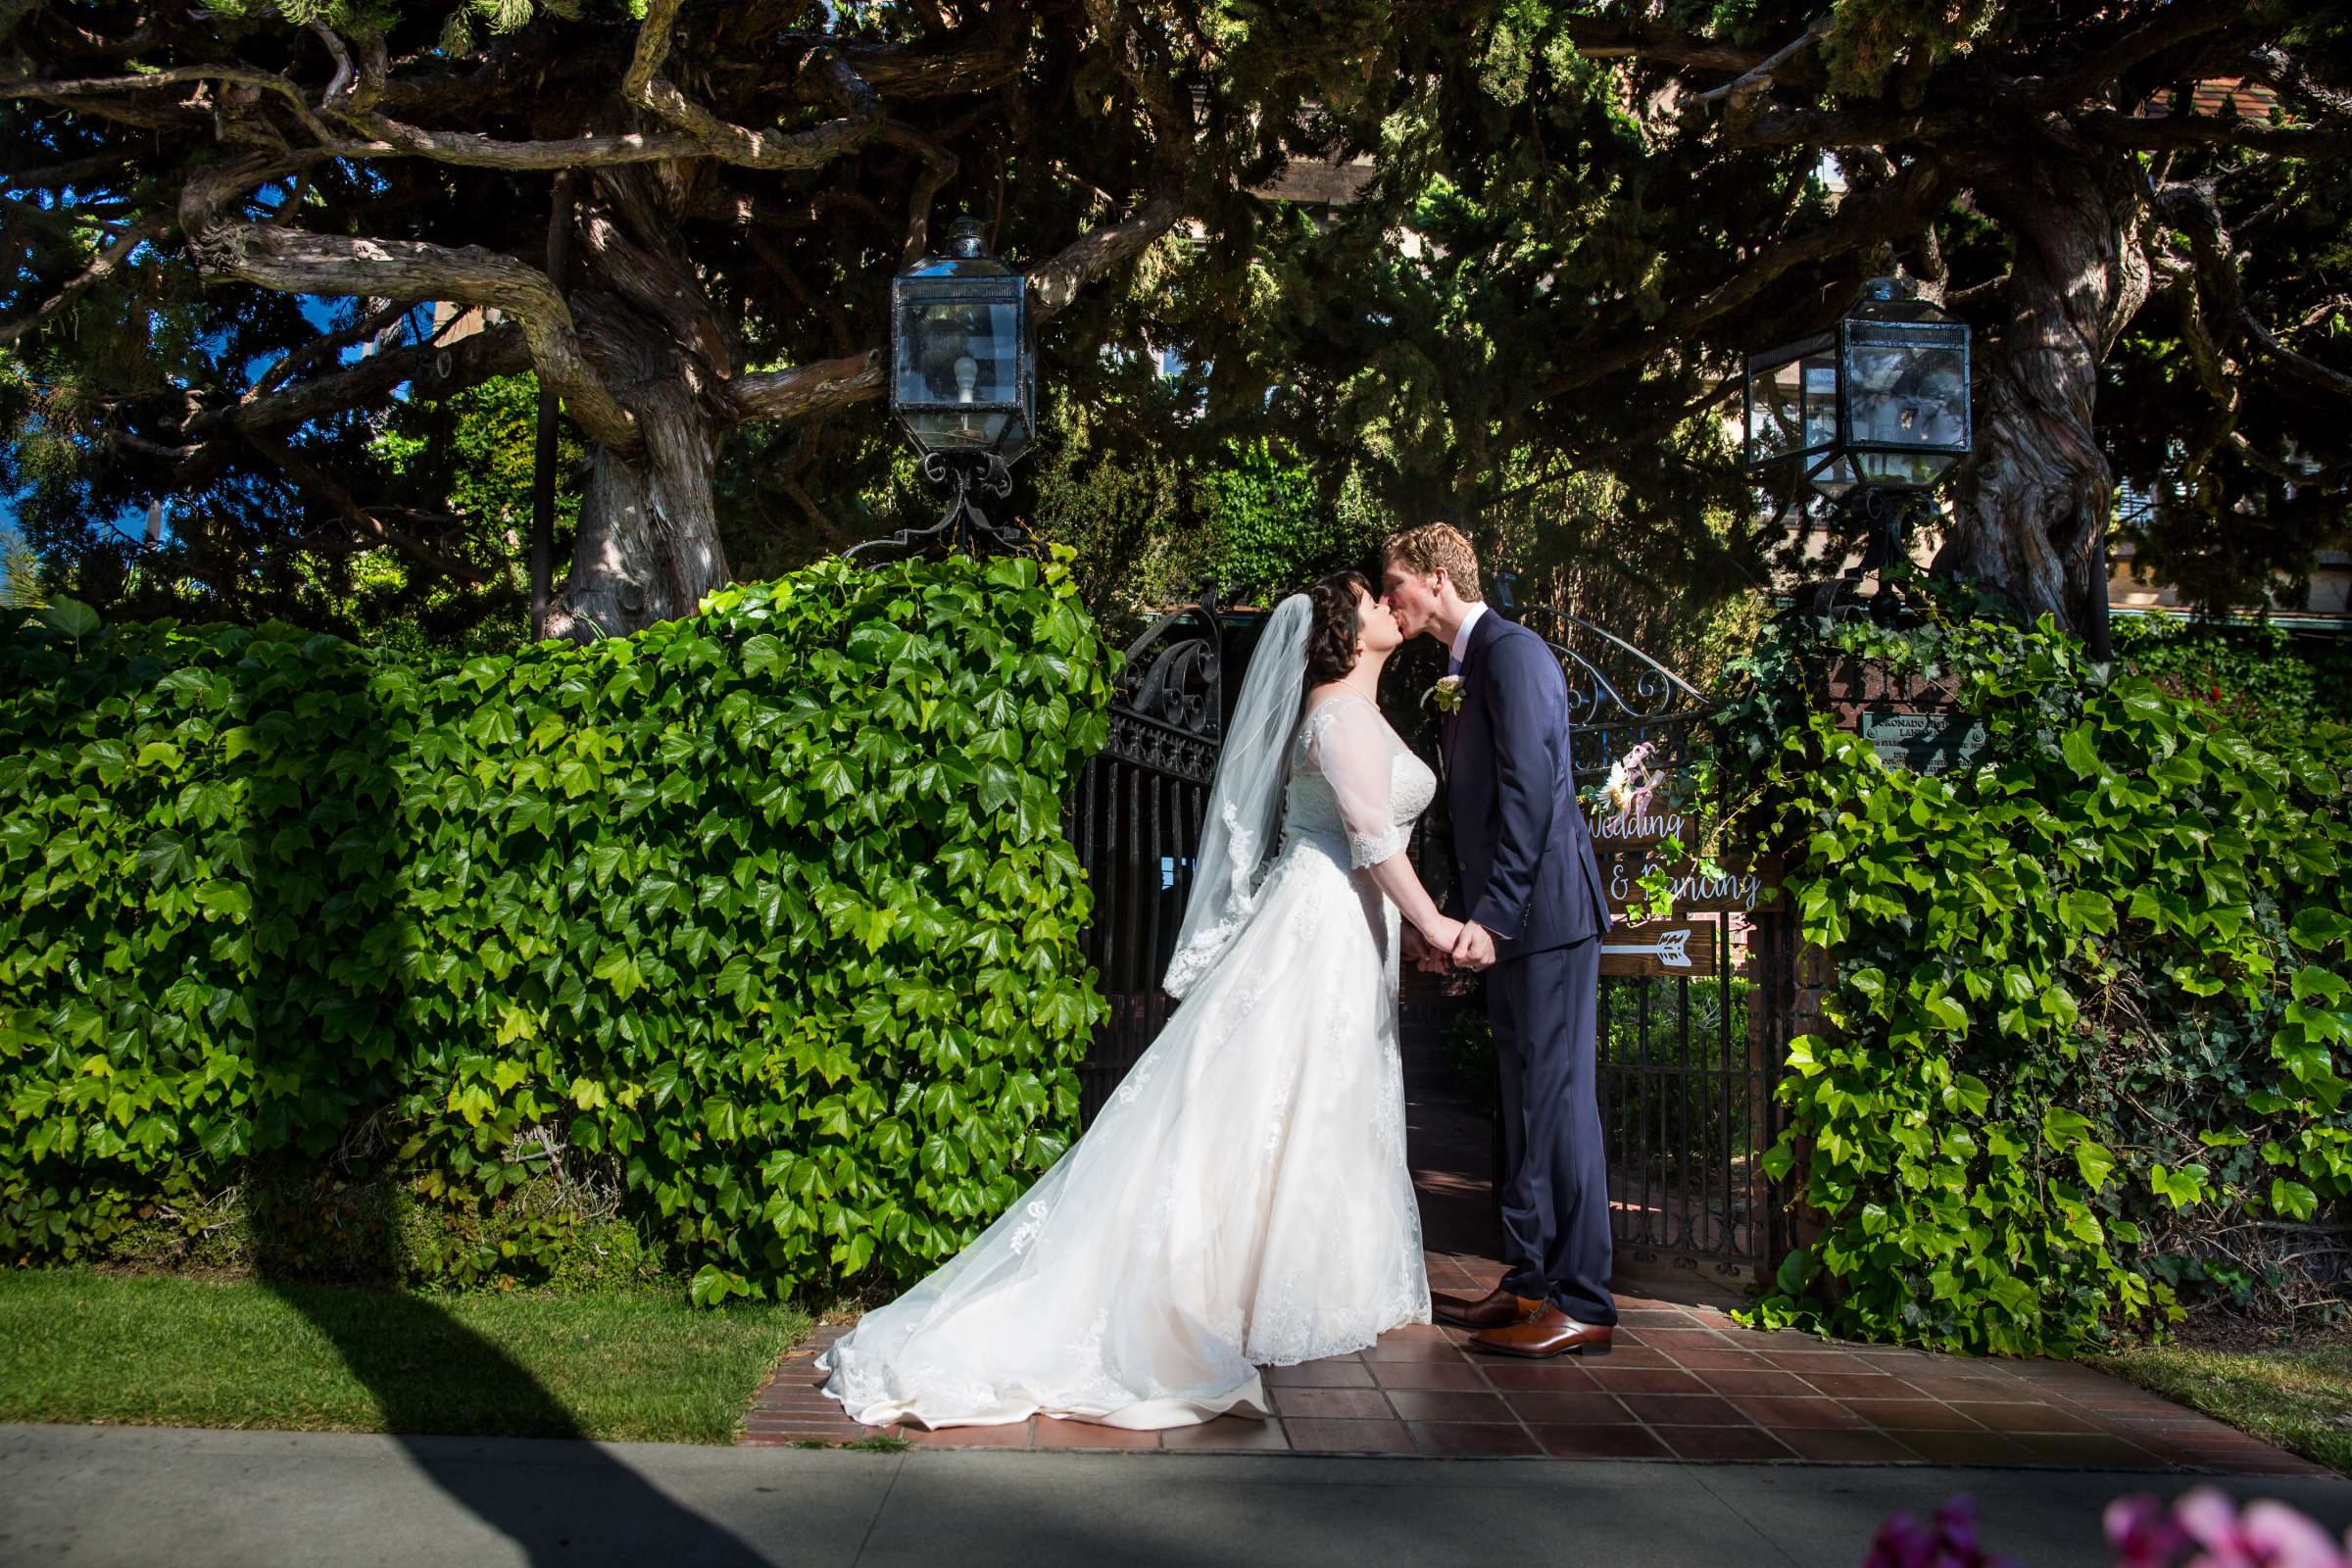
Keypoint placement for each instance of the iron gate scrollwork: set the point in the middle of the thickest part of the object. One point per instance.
(1135, 817)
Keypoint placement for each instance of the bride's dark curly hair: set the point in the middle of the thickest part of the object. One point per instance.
(1331, 629)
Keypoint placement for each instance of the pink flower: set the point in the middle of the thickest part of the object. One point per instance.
(2143, 1534)
(2267, 1535)
(1949, 1541)
(2286, 1539)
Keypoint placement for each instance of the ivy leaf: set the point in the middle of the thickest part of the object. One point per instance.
(2293, 1200)
(69, 618)
(2094, 1162)
(2312, 981)
(225, 901)
(2061, 1127)
(712, 1285)
(1795, 1272)
(760, 653)
(2316, 927)
(2183, 1187)
(166, 859)
(1945, 1014)
(2085, 910)
(2081, 748)
(617, 968)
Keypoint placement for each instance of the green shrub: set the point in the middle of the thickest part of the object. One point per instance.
(363, 1222)
(769, 907)
(2087, 1014)
(2258, 674)
(1274, 527)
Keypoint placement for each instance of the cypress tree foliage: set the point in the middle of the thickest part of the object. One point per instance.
(20, 573)
(224, 224)
(225, 219)
(2139, 206)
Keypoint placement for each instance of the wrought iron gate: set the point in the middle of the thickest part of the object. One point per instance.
(1693, 1011)
(1135, 819)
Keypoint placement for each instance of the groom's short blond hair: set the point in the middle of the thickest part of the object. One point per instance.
(1438, 547)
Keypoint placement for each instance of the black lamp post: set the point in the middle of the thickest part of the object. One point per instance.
(962, 384)
(1872, 414)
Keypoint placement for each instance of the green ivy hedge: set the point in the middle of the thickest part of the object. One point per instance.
(2260, 673)
(2088, 1012)
(770, 909)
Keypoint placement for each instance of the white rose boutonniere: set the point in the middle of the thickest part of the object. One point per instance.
(1447, 694)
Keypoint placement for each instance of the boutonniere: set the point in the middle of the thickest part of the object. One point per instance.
(1447, 694)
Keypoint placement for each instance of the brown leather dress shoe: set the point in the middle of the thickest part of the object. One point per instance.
(1497, 1308)
(1550, 1332)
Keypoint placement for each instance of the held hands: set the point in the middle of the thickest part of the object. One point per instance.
(1449, 945)
(1474, 946)
(1429, 952)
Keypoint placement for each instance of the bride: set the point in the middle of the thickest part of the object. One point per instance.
(1242, 1201)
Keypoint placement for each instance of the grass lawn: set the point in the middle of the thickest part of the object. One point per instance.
(2299, 1398)
(77, 1345)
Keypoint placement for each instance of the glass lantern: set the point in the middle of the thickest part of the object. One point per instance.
(963, 379)
(1879, 402)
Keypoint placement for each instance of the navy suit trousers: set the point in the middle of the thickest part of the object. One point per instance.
(1556, 1178)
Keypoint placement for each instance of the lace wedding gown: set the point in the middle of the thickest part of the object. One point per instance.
(1242, 1201)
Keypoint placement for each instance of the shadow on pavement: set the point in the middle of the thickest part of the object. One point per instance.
(582, 1502)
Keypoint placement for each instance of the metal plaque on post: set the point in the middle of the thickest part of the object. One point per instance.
(1922, 742)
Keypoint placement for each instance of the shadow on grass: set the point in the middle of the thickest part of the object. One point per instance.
(413, 1357)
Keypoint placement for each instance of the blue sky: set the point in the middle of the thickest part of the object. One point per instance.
(320, 312)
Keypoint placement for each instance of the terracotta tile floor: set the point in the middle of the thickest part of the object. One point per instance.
(1685, 1383)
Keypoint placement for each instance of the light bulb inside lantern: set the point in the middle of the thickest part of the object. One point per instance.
(967, 376)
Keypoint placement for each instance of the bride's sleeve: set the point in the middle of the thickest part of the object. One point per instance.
(1353, 752)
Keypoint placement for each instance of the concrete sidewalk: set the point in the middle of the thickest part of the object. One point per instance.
(192, 1499)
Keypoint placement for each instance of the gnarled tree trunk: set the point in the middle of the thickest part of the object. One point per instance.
(2031, 509)
(648, 547)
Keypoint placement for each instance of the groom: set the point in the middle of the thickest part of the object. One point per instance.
(1536, 917)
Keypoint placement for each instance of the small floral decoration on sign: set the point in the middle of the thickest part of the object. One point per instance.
(1447, 694)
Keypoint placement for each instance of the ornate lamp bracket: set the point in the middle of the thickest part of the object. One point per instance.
(964, 525)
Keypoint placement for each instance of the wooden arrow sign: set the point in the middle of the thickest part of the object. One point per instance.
(1671, 948)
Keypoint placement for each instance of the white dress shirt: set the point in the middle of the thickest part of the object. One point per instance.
(1461, 637)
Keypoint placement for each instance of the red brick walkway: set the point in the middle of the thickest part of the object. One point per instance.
(1685, 1383)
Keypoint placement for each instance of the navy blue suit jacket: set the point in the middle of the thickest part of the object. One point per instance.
(1527, 872)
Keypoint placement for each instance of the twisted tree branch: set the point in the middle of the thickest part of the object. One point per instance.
(1759, 78)
(645, 86)
(2172, 24)
(297, 261)
(87, 87)
(2203, 130)
(101, 267)
(1642, 40)
(1883, 215)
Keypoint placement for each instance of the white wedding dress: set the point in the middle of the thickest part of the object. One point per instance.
(1242, 1201)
